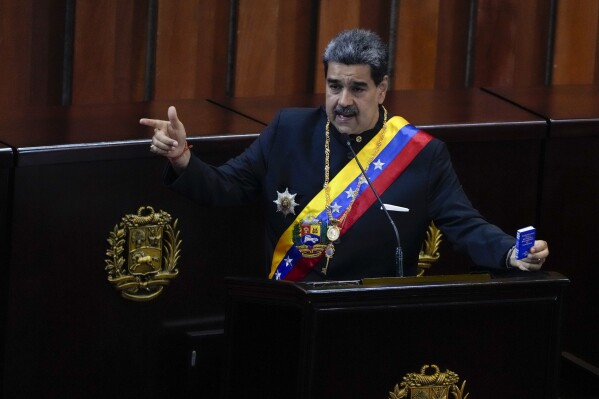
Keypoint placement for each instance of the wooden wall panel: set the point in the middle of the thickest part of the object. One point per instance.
(576, 43)
(452, 48)
(337, 15)
(295, 50)
(530, 43)
(511, 41)
(275, 47)
(31, 48)
(109, 51)
(14, 49)
(130, 50)
(279, 44)
(596, 76)
(47, 50)
(256, 47)
(417, 44)
(191, 49)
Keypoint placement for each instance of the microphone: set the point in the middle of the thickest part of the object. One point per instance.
(398, 251)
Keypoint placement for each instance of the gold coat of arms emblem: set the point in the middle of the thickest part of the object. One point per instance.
(143, 252)
(430, 383)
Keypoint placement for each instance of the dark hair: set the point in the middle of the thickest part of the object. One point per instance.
(358, 47)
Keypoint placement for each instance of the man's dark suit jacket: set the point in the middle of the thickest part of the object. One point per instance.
(289, 154)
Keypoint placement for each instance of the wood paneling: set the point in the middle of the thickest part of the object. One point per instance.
(256, 48)
(576, 43)
(31, 48)
(452, 42)
(109, 51)
(15, 37)
(46, 52)
(274, 46)
(596, 77)
(510, 43)
(416, 44)
(191, 49)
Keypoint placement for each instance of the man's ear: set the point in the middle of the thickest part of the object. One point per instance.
(382, 89)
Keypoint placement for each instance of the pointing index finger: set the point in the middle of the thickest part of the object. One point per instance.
(155, 123)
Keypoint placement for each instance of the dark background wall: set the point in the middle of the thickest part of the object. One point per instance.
(110, 51)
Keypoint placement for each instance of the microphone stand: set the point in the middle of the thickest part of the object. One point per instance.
(398, 251)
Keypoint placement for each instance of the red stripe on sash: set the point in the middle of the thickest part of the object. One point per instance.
(302, 268)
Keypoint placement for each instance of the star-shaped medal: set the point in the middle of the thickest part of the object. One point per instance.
(286, 202)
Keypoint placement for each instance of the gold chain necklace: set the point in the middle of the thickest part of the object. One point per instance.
(335, 225)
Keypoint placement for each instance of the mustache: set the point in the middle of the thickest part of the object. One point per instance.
(346, 111)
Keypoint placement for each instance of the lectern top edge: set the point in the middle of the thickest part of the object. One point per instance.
(396, 283)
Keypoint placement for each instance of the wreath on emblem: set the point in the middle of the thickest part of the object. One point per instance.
(143, 252)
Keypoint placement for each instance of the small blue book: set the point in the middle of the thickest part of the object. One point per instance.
(525, 239)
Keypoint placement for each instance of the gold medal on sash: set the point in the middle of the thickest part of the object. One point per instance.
(333, 230)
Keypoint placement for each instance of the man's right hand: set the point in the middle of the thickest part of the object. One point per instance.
(170, 139)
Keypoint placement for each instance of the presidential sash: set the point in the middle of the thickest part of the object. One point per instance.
(302, 245)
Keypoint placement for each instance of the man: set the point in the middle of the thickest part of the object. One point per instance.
(323, 221)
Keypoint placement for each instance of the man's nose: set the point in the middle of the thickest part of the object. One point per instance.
(345, 99)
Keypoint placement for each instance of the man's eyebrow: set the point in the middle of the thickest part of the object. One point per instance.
(353, 83)
(359, 84)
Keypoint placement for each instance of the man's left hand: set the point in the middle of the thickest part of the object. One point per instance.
(537, 255)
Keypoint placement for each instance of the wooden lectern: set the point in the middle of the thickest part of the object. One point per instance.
(498, 335)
